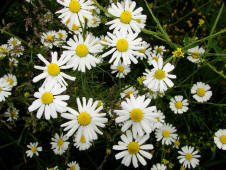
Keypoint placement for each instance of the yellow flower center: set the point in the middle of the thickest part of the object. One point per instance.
(53, 69)
(3, 50)
(48, 16)
(120, 68)
(0, 89)
(165, 133)
(122, 45)
(133, 147)
(128, 93)
(178, 104)
(200, 92)
(177, 143)
(159, 50)
(188, 156)
(136, 115)
(142, 50)
(84, 118)
(157, 118)
(75, 27)
(94, 20)
(14, 42)
(223, 139)
(10, 81)
(138, 20)
(68, 21)
(155, 58)
(195, 54)
(81, 50)
(72, 167)
(83, 140)
(51, 168)
(47, 98)
(60, 35)
(74, 6)
(33, 149)
(49, 38)
(99, 104)
(159, 74)
(125, 17)
(60, 142)
(12, 114)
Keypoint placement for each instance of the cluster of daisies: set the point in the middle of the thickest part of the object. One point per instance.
(136, 118)
(13, 50)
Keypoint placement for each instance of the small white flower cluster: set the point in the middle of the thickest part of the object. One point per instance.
(13, 49)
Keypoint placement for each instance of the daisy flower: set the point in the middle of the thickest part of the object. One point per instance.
(33, 149)
(178, 105)
(194, 54)
(16, 51)
(154, 94)
(127, 17)
(73, 166)
(85, 121)
(121, 70)
(73, 26)
(166, 133)
(158, 79)
(153, 56)
(160, 117)
(52, 72)
(48, 39)
(49, 101)
(83, 52)
(220, 139)
(146, 49)
(135, 113)
(176, 143)
(133, 149)
(59, 144)
(48, 16)
(188, 157)
(75, 10)
(11, 79)
(201, 92)
(13, 62)
(12, 42)
(94, 22)
(159, 49)
(128, 91)
(159, 166)
(125, 47)
(5, 89)
(12, 114)
(61, 37)
(4, 50)
(81, 143)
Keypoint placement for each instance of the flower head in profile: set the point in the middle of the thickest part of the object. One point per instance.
(11, 79)
(86, 121)
(127, 17)
(52, 71)
(121, 70)
(195, 54)
(5, 89)
(81, 143)
(129, 90)
(83, 52)
(48, 39)
(133, 149)
(73, 166)
(33, 149)
(159, 166)
(49, 101)
(59, 144)
(188, 157)
(158, 79)
(136, 114)
(12, 114)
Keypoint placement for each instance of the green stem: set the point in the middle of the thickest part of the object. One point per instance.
(103, 9)
(154, 34)
(164, 34)
(12, 35)
(203, 39)
(215, 70)
(215, 54)
(214, 104)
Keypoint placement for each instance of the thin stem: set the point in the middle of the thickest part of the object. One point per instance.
(154, 34)
(103, 9)
(214, 104)
(215, 70)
